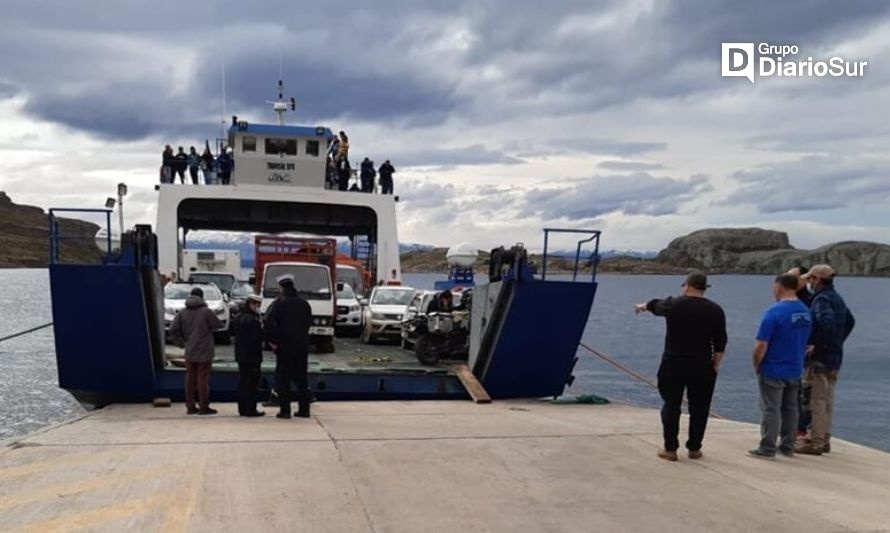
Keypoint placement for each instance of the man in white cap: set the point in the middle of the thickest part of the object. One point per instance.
(287, 325)
(832, 324)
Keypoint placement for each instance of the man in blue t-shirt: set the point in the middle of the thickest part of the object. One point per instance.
(778, 360)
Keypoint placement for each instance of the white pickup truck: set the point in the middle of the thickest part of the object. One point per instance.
(313, 283)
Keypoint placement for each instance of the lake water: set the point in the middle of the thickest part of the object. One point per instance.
(30, 399)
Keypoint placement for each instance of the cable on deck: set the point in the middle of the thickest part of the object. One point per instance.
(25, 332)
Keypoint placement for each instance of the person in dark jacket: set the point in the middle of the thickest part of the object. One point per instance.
(386, 171)
(180, 163)
(193, 327)
(194, 161)
(832, 324)
(207, 164)
(442, 303)
(287, 330)
(226, 165)
(693, 348)
(167, 165)
(249, 355)
(367, 174)
(344, 172)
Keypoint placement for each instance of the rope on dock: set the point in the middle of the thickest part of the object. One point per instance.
(20, 333)
(632, 373)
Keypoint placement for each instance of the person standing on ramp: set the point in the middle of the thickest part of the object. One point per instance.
(287, 330)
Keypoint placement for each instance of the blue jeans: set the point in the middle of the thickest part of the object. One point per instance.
(778, 402)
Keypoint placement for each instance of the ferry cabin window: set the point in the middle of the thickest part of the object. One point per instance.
(281, 146)
(312, 148)
(248, 144)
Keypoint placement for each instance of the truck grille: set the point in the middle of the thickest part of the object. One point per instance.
(390, 316)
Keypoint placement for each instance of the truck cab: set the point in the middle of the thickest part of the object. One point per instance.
(314, 284)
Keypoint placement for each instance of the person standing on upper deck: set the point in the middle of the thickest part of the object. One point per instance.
(207, 164)
(193, 327)
(778, 362)
(180, 163)
(226, 164)
(167, 165)
(832, 324)
(367, 173)
(286, 327)
(194, 161)
(694, 344)
(386, 171)
(342, 153)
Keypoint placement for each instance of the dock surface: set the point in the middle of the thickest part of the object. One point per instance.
(424, 466)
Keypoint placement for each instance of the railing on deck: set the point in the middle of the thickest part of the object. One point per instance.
(593, 236)
(55, 237)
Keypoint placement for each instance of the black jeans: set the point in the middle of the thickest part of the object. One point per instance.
(698, 380)
(248, 379)
(292, 369)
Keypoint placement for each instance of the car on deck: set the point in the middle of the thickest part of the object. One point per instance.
(383, 314)
(175, 295)
(349, 311)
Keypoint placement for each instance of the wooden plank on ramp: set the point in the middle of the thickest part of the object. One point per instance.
(471, 384)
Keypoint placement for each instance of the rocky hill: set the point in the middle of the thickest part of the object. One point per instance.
(760, 251)
(716, 251)
(24, 237)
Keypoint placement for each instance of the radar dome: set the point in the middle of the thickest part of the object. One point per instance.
(462, 255)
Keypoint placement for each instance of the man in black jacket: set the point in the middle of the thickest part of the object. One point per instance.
(693, 347)
(249, 355)
(287, 329)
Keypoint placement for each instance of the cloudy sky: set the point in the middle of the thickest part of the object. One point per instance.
(501, 117)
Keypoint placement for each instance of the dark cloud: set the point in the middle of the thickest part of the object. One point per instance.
(399, 63)
(631, 166)
(813, 183)
(633, 194)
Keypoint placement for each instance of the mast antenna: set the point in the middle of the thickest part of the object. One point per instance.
(281, 105)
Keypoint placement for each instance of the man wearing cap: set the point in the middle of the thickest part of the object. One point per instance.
(832, 324)
(287, 325)
(778, 362)
(694, 344)
(249, 355)
(193, 327)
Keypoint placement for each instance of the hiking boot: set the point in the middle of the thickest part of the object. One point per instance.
(808, 448)
(787, 453)
(760, 454)
(255, 414)
(667, 456)
(826, 448)
(695, 454)
(303, 411)
(207, 411)
(191, 411)
(283, 416)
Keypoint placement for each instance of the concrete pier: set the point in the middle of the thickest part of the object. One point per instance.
(424, 466)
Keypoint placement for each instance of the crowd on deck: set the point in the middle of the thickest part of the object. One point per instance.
(217, 169)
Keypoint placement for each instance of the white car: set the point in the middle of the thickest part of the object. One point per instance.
(384, 312)
(349, 310)
(175, 295)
